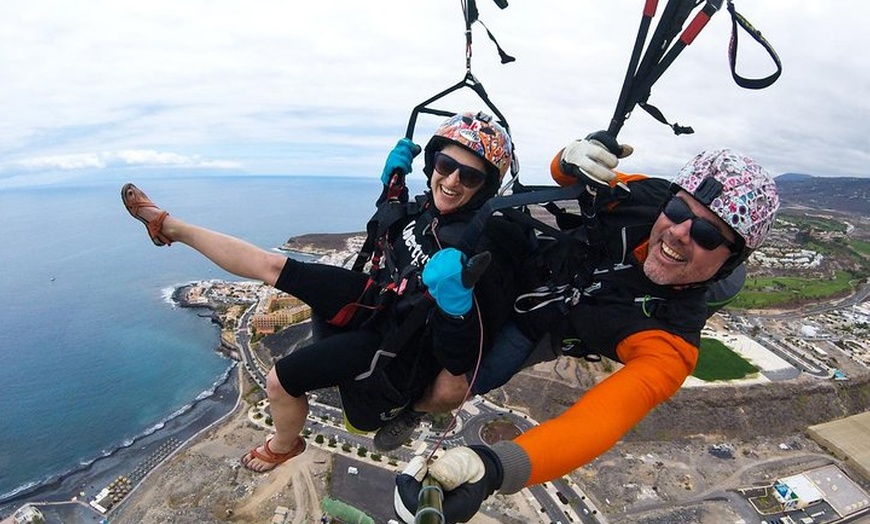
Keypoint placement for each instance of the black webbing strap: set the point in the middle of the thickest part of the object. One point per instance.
(661, 52)
(622, 109)
(537, 196)
(664, 47)
(749, 83)
(470, 14)
(388, 213)
(469, 9)
(468, 81)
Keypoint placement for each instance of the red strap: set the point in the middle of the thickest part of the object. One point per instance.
(346, 313)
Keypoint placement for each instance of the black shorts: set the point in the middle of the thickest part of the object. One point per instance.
(351, 361)
(342, 356)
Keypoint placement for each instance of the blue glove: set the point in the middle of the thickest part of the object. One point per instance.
(443, 276)
(400, 159)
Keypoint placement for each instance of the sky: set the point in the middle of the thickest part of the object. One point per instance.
(98, 88)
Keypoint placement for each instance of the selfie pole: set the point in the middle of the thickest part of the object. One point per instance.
(430, 503)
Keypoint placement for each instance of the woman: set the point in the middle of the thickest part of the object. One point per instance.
(380, 373)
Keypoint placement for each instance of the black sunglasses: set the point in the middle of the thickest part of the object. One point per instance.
(468, 176)
(703, 232)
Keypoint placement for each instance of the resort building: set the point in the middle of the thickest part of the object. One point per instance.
(280, 310)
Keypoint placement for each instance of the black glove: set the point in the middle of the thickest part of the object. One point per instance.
(468, 475)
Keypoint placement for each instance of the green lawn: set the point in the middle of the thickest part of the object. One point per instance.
(860, 246)
(774, 291)
(717, 362)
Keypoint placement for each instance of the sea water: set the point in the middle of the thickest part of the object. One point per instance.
(93, 353)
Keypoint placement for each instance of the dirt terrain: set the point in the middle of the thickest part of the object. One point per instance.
(675, 466)
(205, 483)
(671, 469)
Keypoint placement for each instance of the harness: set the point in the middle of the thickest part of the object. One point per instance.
(387, 281)
(581, 284)
(394, 282)
(568, 255)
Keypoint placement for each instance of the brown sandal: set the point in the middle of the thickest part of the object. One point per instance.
(134, 200)
(270, 457)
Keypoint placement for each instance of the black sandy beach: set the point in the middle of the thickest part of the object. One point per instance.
(66, 499)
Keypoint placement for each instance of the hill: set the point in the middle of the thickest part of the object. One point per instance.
(844, 194)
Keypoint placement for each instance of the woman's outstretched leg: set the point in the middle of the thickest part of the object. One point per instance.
(229, 253)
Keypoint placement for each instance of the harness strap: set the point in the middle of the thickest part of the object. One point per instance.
(547, 194)
(388, 213)
(657, 60)
(749, 83)
(621, 112)
(347, 312)
(663, 49)
(397, 338)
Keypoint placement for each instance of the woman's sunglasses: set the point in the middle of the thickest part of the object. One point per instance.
(468, 176)
(703, 232)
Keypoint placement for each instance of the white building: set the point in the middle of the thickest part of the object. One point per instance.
(28, 515)
(796, 492)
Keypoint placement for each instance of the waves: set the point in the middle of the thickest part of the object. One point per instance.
(169, 293)
(84, 465)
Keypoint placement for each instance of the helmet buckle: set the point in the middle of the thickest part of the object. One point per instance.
(708, 190)
(483, 117)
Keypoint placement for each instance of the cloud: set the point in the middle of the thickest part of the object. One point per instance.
(326, 88)
(118, 159)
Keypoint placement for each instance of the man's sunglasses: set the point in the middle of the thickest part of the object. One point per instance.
(703, 232)
(468, 176)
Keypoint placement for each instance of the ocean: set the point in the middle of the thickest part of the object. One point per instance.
(94, 354)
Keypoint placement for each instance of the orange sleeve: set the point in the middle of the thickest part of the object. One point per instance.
(556, 171)
(656, 365)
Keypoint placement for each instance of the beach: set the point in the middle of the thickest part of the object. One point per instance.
(134, 461)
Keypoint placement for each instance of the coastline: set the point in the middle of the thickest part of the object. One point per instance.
(319, 244)
(133, 459)
(66, 496)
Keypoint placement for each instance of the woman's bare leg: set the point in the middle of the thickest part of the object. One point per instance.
(229, 253)
(288, 416)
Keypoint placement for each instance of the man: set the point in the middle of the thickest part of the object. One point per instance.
(662, 246)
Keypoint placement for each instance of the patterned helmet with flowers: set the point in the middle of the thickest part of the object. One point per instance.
(480, 134)
(736, 189)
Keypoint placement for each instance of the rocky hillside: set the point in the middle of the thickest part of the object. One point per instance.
(739, 412)
(849, 195)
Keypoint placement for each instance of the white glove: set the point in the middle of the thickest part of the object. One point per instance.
(456, 467)
(416, 468)
(591, 159)
(594, 157)
(468, 476)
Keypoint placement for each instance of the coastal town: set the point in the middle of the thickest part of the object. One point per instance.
(810, 476)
